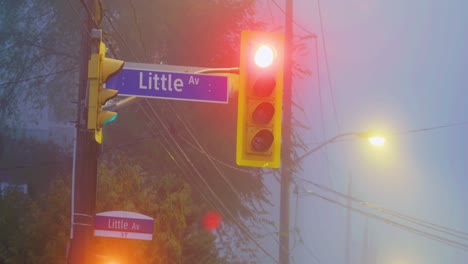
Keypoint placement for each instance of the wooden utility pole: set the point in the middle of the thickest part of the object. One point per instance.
(286, 171)
(86, 154)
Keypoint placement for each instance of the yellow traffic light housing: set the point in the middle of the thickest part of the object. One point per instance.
(260, 99)
(100, 69)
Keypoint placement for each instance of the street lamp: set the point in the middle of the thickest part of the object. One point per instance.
(377, 140)
(374, 139)
(285, 184)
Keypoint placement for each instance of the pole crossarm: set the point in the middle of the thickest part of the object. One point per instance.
(328, 141)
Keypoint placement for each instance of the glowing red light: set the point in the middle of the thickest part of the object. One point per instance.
(212, 220)
(264, 56)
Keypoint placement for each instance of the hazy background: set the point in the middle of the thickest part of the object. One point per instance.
(397, 67)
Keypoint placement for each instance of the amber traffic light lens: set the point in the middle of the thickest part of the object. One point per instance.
(263, 113)
(262, 140)
(264, 86)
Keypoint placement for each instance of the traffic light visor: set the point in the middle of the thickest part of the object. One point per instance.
(110, 67)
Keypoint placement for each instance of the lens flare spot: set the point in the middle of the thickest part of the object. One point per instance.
(212, 220)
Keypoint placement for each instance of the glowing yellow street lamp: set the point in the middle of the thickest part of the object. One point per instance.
(377, 140)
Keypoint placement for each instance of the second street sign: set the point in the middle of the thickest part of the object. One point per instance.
(123, 224)
(141, 82)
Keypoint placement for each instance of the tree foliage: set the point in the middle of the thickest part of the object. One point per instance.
(39, 51)
(191, 145)
(178, 235)
(13, 216)
(37, 231)
(44, 212)
(190, 139)
(184, 32)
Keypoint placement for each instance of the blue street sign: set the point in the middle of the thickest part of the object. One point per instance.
(170, 85)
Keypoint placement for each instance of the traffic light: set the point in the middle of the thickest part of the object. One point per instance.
(100, 69)
(260, 99)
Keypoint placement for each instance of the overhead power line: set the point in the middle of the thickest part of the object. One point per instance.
(404, 132)
(449, 242)
(327, 65)
(38, 76)
(418, 130)
(179, 148)
(426, 224)
(294, 22)
(189, 163)
(90, 14)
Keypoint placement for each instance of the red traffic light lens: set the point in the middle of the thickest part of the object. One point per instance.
(262, 140)
(264, 86)
(263, 113)
(264, 56)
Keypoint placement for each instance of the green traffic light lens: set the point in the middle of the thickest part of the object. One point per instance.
(264, 86)
(263, 113)
(110, 120)
(262, 140)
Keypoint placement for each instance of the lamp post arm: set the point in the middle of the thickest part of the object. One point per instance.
(326, 142)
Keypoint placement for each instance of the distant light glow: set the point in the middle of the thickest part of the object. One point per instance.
(264, 56)
(212, 220)
(377, 140)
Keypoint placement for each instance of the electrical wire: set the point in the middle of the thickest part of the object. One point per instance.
(209, 157)
(178, 164)
(171, 155)
(74, 10)
(137, 24)
(189, 128)
(319, 86)
(44, 164)
(90, 15)
(449, 242)
(294, 22)
(202, 151)
(184, 169)
(178, 147)
(403, 132)
(272, 18)
(39, 76)
(121, 37)
(297, 229)
(212, 192)
(321, 107)
(188, 159)
(327, 64)
(411, 131)
(426, 224)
